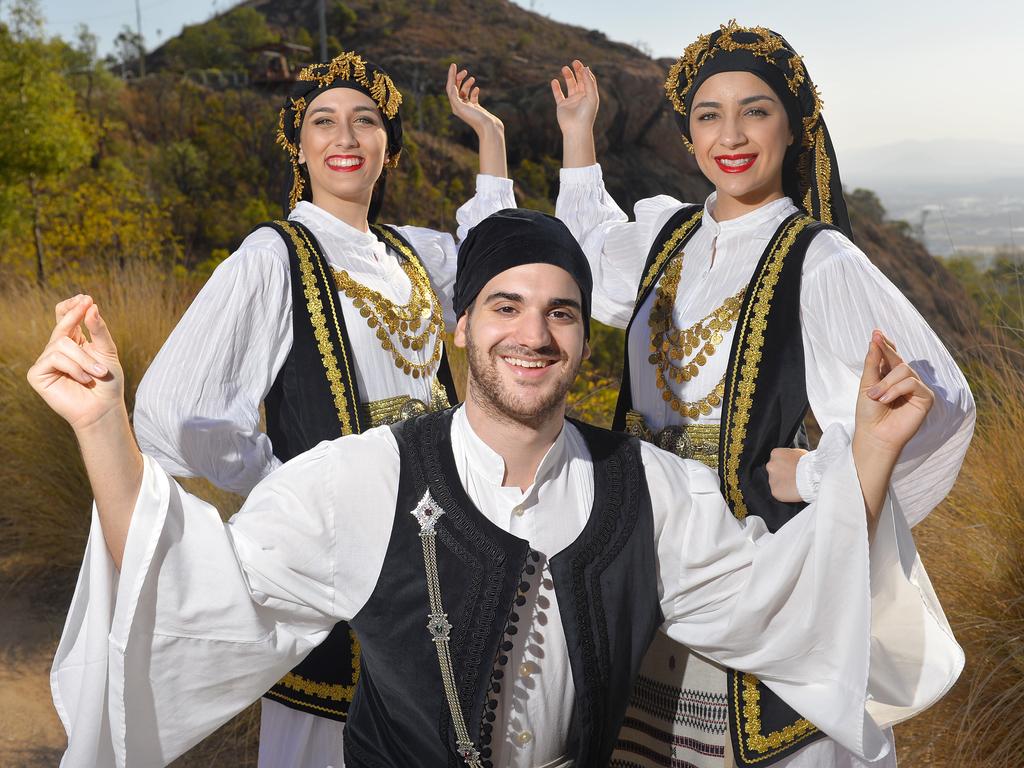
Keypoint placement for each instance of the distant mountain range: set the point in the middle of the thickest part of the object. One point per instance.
(943, 160)
(960, 197)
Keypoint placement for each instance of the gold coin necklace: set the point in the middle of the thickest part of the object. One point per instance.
(412, 324)
(670, 345)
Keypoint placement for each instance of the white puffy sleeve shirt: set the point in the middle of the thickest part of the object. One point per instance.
(197, 407)
(843, 298)
(204, 616)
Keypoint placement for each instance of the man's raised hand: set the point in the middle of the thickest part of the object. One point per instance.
(79, 376)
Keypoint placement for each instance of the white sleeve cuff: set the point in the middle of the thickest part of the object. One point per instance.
(486, 184)
(590, 174)
(812, 466)
(808, 478)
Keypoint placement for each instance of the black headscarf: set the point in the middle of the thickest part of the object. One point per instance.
(810, 174)
(346, 70)
(513, 237)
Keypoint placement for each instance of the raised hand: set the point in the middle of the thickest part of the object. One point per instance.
(464, 97)
(576, 108)
(577, 105)
(79, 377)
(893, 401)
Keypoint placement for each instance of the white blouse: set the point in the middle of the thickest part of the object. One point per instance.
(204, 616)
(197, 407)
(843, 298)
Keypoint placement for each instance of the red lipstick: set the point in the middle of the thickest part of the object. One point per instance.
(736, 163)
(348, 167)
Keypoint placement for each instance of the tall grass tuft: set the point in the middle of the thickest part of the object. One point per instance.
(973, 547)
(44, 513)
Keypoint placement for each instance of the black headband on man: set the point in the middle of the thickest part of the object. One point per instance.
(514, 237)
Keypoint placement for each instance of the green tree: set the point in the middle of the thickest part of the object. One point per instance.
(46, 136)
(131, 51)
(224, 43)
(341, 20)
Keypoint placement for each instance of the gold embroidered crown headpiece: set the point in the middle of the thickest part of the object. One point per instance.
(810, 172)
(346, 70)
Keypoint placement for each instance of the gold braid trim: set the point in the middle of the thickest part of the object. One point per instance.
(823, 178)
(339, 391)
(322, 691)
(768, 46)
(742, 378)
(776, 741)
(671, 244)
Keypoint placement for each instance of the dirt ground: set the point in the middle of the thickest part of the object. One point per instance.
(31, 734)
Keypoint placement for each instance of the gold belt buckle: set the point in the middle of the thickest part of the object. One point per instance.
(675, 440)
(691, 441)
(412, 407)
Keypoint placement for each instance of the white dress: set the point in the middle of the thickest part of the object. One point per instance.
(154, 658)
(843, 298)
(197, 407)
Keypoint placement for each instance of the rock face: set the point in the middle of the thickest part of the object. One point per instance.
(515, 53)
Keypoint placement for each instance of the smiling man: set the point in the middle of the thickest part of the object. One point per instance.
(505, 605)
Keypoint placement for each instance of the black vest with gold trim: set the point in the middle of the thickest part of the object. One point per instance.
(401, 715)
(315, 397)
(763, 408)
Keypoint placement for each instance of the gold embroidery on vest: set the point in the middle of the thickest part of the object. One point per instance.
(741, 399)
(669, 248)
(747, 365)
(323, 691)
(772, 743)
(303, 249)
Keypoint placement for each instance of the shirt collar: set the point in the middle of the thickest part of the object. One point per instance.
(773, 212)
(335, 234)
(488, 464)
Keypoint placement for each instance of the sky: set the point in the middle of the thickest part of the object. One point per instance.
(888, 70)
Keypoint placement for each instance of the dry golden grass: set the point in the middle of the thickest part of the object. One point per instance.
(973, 548)
(44, 515)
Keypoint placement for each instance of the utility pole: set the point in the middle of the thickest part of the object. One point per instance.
(138, 31)
(322, 9)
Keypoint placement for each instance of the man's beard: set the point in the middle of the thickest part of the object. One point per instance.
(489, 394)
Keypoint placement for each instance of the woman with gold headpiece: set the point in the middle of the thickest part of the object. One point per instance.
(740, 314)
(330, 320)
